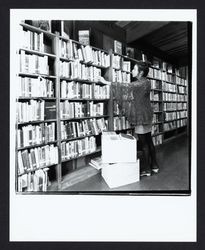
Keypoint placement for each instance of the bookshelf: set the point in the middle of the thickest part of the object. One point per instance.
(62, 105)
(67, 96)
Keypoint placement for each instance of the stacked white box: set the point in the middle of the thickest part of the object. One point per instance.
(121, 151)
(118, 148)
(119, 174)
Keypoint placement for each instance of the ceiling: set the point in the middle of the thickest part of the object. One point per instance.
(171, 38)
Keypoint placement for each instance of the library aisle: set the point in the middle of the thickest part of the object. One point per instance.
(75, 100)
(174, 174)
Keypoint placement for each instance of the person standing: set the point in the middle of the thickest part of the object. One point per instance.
(139, 113)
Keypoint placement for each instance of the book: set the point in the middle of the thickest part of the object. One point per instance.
(117, 47)
(50, 110)
(84, 37)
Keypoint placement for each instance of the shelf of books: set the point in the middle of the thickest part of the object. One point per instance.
(36, 128)
(62, 105)
(169, 100)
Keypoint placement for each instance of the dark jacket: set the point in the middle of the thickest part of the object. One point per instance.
(134, 101)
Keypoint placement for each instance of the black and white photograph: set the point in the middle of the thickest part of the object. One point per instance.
(102, 105)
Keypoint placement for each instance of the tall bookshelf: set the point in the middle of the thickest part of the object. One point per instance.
(169, 100)
(62, 105)
(67, 96)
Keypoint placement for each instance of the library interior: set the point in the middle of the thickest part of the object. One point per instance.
(75, 91)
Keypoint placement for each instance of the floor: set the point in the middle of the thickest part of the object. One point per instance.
(173, 159)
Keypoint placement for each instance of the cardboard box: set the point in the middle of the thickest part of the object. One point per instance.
(119, 174)
(118, 148)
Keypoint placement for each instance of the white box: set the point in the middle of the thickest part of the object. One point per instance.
(119, 174)
(118, 148)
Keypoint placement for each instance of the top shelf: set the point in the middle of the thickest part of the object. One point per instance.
(74, 41)
(38, 30)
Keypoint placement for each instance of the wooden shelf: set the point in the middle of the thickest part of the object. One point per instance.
(169, 82)
(36, 145)
(83, 118)
(33, 170)
(83, 99)
(79, 138)
(80, 156)
(158, 111)
(37, 98)
(152, 89)
(38, 30)
(154, 78)
(36, 122)
(81, 80)
(169, 101)
(40, 53)
(167, 91)
(168, 111)
(36, 75)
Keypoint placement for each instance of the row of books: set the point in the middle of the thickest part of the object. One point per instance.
(170, 116)
(36, 134)
(181, 123)
(121, 76)
(32, 40)
(169, 97)
(182, 105)
(156, 118)
(75, 90)
(87, 54)
(33, 64)
(35, 111)
(78, 148)
(95, 109)
(34, 182)
(77, 70)
(71, 130)
(78, 109)
(169, 106)
(168, 77)
(182, 98)
(155, 129)
(154, 96)
(101, 92)
(181, 89)
(181, 81)
(155, 73)
(169, 87)
(72, 109)
(181, 114)
(36, 158)
(157, 139)
(116, 61)
(119, 63)
(155, 84)
(120, 123)
(169, 125)
(35, 87)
